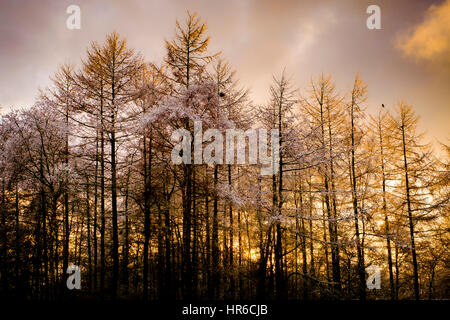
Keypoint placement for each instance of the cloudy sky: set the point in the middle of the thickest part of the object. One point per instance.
(409, 58)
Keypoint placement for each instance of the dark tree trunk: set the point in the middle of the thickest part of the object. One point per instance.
(194, 254)
(167, 239)
(66, 214)
(115, 232)
(232, 284)
(95, 215)
(102, 201)
(410, 218)
(88, 225)
(215, 238)
(361, 267)
(17, 262)
(126, 245)
(4, 239)
(208, 246)
(386, 220)
(147, 190)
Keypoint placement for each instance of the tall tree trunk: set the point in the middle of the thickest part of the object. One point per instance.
(397, 282)
(410, 218)
(386, 220)
(126, 245)
(187, 208)
(208, 243)
(45, 292)
(17, 262)
(335, 257)
(4, 239)
(239, 242)
(231, 235)
(88, 215)
(194, 254)
(95, 214)
(325, 241)
(279, 273)
(167, 245)
(331, 217)
(147, 183)
(115, 231)
(102, 199)
(66, 210)
(311, 242)
(215, 238)
(361, 267)
(37, 258)
(304, 253)
(160, 261)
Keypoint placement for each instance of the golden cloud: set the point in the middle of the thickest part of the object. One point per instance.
(429, 40)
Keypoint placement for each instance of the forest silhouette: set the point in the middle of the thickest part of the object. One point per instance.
(86, 179)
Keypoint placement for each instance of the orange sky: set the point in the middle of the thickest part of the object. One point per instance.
(409, 58)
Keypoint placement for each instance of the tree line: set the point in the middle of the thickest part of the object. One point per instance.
(86, 178)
